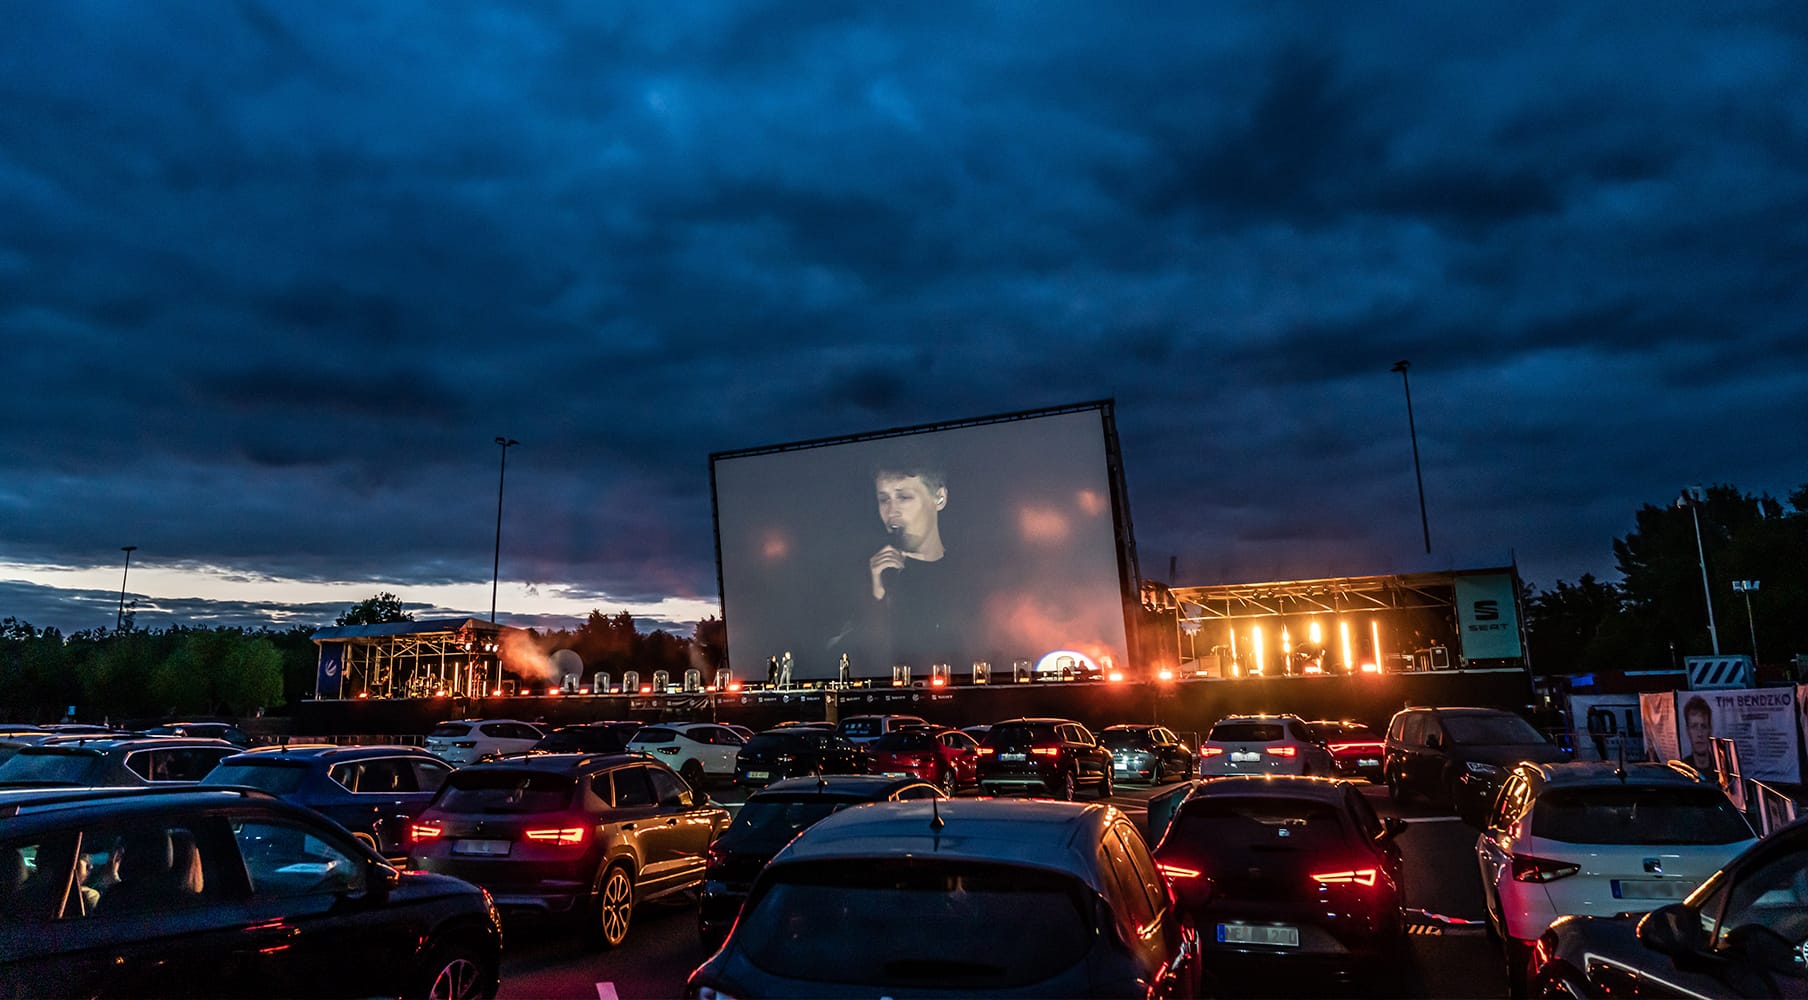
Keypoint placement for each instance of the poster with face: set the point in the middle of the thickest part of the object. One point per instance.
(1761, 722)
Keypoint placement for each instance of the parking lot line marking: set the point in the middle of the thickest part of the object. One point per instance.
(606, 991)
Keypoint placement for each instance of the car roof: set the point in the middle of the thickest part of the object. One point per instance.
(1291, 786)
(562, 763)
(473, 722)
(1042, 833)
(15, 802)
(1596, 773)
(103, 743)
(1457, 710)
(679, 726)
(1037, 721)
(1137, 727)
(859, 787)
(1260, 717)
(327, 751)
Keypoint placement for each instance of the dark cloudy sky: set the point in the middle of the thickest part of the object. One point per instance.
(273, 276)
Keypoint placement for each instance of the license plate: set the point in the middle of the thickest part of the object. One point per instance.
(1239, 757)
(758, 775)
(1367, 762)
(1012, 757)
(1270, 934)
(1633, 888)
(486, 848)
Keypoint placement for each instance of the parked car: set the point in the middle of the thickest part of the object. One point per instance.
(1356, 750)
(768, 820)
(946, 758)
(372, 791)
(794, 751)
(1151, 754)
(978, 732)
(591, 737)
(466, 741)
(114, 761)
(1053, 756)
(1744, 932)
(1459, 756)
(967, 898)
(862, 730)
(1595, 839)
(222, 892)
(588, 835)
(1263, 744)
(700, 751)
(739, 730)
(212, 730)
(1286, 873)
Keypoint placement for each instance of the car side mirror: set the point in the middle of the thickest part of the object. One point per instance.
(383, 878)
(1672, 930)
(1392, 827)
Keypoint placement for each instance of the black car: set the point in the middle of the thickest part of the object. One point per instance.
(767, 822)
(1146, 753)
(1744, 932)
(591, 737)
(1459, 756)
(182, 892)
(372, 791)
(114, 761)
(1049, 756)
(589, 835)
(792, 752)
(211, 730)
(1282, 872)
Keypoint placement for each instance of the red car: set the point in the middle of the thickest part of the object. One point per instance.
(946, 758)
(1355, 748)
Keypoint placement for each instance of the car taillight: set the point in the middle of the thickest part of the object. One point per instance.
(564, 836)
(717, 854)
(1345, 747)
(1283, 751)
(986, 751)
(1045, 751)
(1174, 871)
(1530, 869)
(1354, 876)
(668, 751)
(421, 832)
(1211, 752)
(785, 758)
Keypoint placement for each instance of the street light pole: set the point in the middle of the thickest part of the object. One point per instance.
(1688, 500)
(119, 619)
(1747, 587)
(496, 569)
(1424, 523)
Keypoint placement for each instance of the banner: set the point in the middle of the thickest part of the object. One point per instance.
(1487, 617)
(330, 681)
(1604, 724)
(1657, 715)
(1762, 723)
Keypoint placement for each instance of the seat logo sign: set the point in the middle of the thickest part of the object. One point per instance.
(1487, 611)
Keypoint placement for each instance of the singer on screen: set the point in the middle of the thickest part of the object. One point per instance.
(921, 599)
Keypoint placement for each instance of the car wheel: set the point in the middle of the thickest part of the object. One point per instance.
(455, 972)
(692, 773)
(1065, 791)
(1105, 785)
(1519, 959)
(1396, 789)
(614, 906)
(947, 784)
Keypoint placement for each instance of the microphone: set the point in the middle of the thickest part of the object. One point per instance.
(894, 537)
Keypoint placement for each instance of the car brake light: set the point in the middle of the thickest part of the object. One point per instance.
(1357, 876)
(1343, 747)
(1177, 871)
(986, 751)
(1283, 751)
(564, 836)
(785, 758)
(1045, 751)
(1530, 869)
(419, 832)
(1212, 752)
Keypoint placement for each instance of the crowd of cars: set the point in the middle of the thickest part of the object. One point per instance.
(1266, 857)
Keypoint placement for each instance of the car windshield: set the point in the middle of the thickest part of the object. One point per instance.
(447, 730)
(34, 765)
(1247, 732)
(504, 791)
(1123, 738)
(905, 739)
(1632, 815)
(1262, 823)
(277, 778)
(1343, 731)
(1491, 729)
(918, 923)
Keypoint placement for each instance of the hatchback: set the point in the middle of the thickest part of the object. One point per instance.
(1595, 839)
(1052, 756)
(465, 741)
(114, 761)
(795, 751)
(702, 752)
(862, 730)
(1263, 744)
(1355, 748)
(768, 820)
(198, 891)
(372, 791)
(1459, 756)
(946, 758)
(959, 898)
(588, 835)
(1289, 873)
(1151, 754)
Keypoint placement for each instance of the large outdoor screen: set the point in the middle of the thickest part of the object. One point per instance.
(992, 541)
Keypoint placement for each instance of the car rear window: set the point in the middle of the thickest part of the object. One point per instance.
(906, 739)
(1015, 734)
(651, 735)
(780, 820)
(917, 924)
(1119, 738)
(860, 727)
(52, 766)
(277, 778)
(503, 791)
(1247, 732)
(765, 742)
(1631, 815)
(447, 730)
(1485, 730)
(1265, 823)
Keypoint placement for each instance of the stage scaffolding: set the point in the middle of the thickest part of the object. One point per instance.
(451, 656)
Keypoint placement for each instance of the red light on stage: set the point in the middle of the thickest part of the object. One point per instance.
(1166, 674)
(646, 689)
(364, 694)
(734, 686)
(552, 692)
(583, 690)
(496, 693)
(1116, 677)
(937, 682)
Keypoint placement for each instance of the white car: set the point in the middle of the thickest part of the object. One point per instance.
(466, 741)
(699, 751)
(1263, 744)
(1587, 838)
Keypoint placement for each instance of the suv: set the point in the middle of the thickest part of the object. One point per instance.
(1459, 756)
(1263, 744)
(466, 741)
(222, 892)
(212, 730)
(1055, 756)
(584, 834)
(794, 751)
(1147, 753)
(589, 737)
(124, 761)
(966, 897)
(372, 791)
(1594, 839)
(862, 730)
(699, 751)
